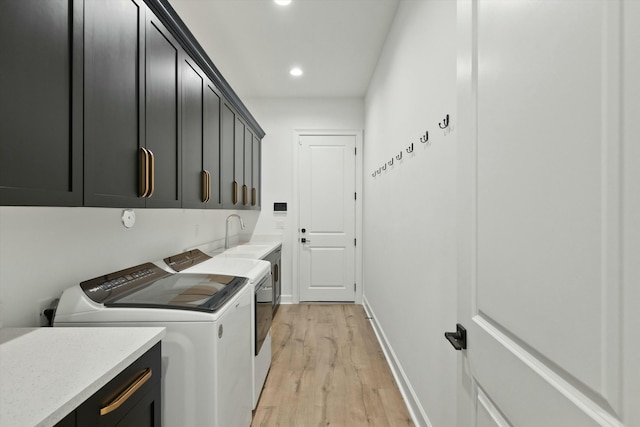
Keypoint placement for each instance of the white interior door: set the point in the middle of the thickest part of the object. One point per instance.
(544, 214)
(326, 172)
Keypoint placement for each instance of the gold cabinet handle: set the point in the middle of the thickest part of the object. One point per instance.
(205, 186)
(152, 173)
(143, 156)
(127, 393)
(235, 192)
(245, 194)
(254, 196)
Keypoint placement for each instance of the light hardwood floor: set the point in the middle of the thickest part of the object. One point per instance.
(328, 370)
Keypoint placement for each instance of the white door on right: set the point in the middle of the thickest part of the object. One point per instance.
(549, 212)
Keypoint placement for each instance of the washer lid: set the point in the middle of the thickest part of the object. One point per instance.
(149, 286)
(200, 292)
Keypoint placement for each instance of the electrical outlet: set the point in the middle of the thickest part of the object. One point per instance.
(42, 305)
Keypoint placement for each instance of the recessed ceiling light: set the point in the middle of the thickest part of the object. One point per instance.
(296, 72)
(282, 2)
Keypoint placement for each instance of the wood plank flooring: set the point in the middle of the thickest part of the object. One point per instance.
(328, 370)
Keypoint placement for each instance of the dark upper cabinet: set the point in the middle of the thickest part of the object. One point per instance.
(211, 148)
(41, 102)
(103, 105)
(238, 164)
(194, 181)
(228, 185)
(113, 102)
(162, 114)
(255, 173)
(132, 102)
(200, 139)
(248, 166)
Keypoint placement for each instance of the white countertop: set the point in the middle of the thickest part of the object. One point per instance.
(255, 248)
(45, 373)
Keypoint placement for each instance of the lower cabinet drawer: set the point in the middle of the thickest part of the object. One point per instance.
(133, 398)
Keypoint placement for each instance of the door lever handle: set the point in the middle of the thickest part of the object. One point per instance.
(457, 339)
(305, 240)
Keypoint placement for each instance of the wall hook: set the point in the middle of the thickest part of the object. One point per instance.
(445, 122)
(379, 170)
(399, 156)
(424, 139)
(384, 167)
(410, 148)
(390, 162)
(374, 174)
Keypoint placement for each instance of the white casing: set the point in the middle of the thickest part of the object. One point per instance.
(254, 270)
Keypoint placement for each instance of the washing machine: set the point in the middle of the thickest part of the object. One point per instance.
(206, 352)
(259, 274)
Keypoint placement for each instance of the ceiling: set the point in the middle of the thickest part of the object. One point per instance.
(254, 43)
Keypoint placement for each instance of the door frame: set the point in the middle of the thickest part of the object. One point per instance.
(297, 134)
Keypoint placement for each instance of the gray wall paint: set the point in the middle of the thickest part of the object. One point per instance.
(410, 209)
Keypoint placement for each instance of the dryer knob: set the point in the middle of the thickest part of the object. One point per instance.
(220, 331)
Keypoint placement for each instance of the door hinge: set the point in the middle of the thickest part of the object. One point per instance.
(355, 150)
(355, 196)
(354, 242)
(354, 287)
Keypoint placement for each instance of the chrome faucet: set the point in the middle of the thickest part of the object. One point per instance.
(226, 234)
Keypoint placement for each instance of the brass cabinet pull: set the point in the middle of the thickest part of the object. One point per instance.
(152, 173)
(254, 196)
(205, 186)
(127, 393)
(144, 171)
(235, 192)
(245, 194)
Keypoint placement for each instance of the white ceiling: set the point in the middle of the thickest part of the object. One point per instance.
(254, 43)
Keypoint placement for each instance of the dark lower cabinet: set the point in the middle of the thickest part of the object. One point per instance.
(275, 258)
(41, 102)
(133, 398)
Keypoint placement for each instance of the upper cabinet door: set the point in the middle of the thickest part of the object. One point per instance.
(255, 174)
(248, 166)
(41, 101)
(211, 148)
(195, 181)
(228, 185)
(162, 98)
(238, 164)
(113, 107)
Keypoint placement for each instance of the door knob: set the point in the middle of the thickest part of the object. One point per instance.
(304, 230)
(457, 339)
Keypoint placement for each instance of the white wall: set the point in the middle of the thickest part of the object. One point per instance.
(280, 118)
(409, 209)
(44, 250)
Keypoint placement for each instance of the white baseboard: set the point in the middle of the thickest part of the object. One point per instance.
(416, 411)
